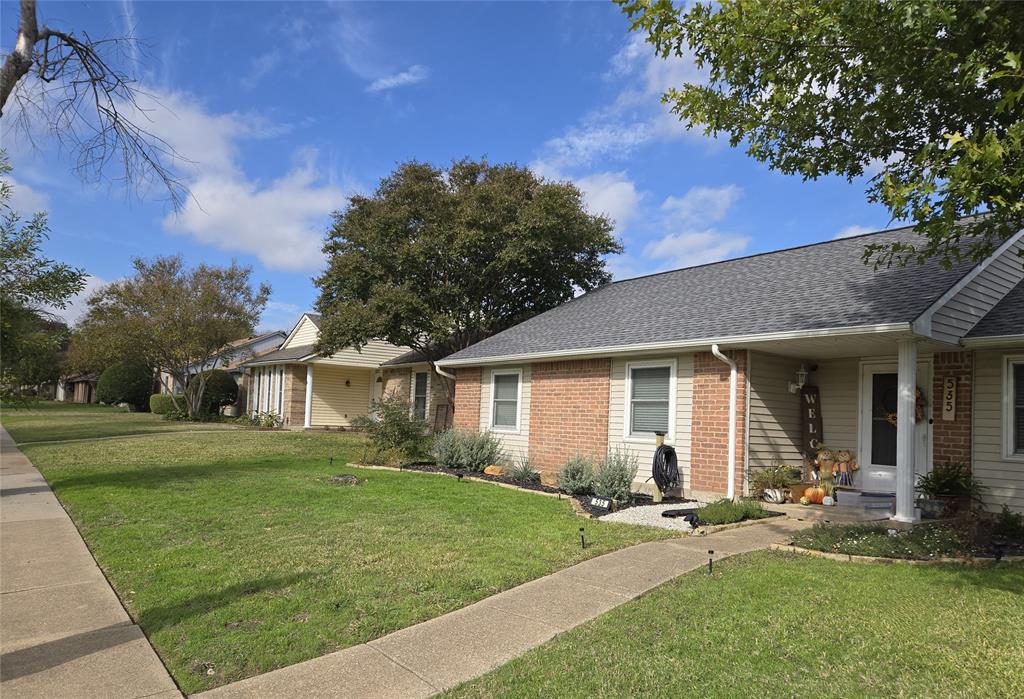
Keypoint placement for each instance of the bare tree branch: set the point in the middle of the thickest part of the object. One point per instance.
(69, 86)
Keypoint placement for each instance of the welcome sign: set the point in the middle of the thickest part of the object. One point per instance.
(810, 420)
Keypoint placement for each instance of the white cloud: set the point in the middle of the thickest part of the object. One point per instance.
(410, 76)
(260, 67)
(281, 221)
(78, 304)
(612, 194)
(692, 248)
(279, 315)
(635, 117)
(702, 204)
(851, 231)
(25, 200)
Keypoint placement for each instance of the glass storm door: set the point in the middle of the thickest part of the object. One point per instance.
(877, 457)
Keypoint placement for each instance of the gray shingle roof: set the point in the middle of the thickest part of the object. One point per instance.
(819, 286)
(1006, 318)
(289, 354)
(410, 357)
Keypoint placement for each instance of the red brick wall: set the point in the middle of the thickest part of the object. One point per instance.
(952, 440)
(710, 433)
(568, 411)
(467, 398)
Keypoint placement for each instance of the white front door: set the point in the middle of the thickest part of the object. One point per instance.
(878, 396)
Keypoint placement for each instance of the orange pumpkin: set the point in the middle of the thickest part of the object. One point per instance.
(815, 494)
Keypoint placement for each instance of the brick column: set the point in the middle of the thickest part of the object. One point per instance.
(294, 395)
(568, 412)
(467, 398)
(709, 454)
(951, 440)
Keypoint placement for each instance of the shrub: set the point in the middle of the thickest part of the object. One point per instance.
(726, 511)
(221, 390)
(469, 450)
(950, 480)
(1008, 524)
(577, 476)
(778, 476)
(391, 427)
(161, 404)
(125, 382)
(614, 476)
(382, 456)
(522, 471)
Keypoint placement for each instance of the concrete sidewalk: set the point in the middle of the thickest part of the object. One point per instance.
(428, 658)
(63, 632)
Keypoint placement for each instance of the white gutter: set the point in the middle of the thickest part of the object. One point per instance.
(700, 344)
(731, 489)
(992, 340)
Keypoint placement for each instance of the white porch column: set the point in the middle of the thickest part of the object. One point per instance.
(905, 430)
(308, 422)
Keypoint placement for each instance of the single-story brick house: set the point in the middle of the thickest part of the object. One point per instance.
(307, 390)
(905, 366)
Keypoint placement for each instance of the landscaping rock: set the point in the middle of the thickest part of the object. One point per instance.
(343, 479)
(549, 479)
(494, 471)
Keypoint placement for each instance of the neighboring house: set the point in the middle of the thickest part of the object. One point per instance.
(238, 352)
(77, 388)
(656, 353)
(410, 376)
(307, 390)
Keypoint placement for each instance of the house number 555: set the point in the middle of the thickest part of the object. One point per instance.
(949, 398)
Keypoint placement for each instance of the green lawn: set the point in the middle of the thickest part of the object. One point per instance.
(236, 557)
(50, 420)
(777, 625)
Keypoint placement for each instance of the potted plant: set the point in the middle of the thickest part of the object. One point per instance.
(946, 488)
(771, 483)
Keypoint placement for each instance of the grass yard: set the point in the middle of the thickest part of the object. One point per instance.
(236, 557)
(51, 420)
(773, 625)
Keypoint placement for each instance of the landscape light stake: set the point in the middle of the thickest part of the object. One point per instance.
(583, 539)
(330, 461)
(459, 476)
(711, 560)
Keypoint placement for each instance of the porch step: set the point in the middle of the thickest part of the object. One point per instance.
(872, 504)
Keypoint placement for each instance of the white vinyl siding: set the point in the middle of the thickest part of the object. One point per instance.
(774, 432)
(839, 383)
(516, 443)
(1002, 473)
(375, 353)
(643, 447)
(979, 296)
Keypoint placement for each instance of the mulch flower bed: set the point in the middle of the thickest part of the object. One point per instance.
(639, 499)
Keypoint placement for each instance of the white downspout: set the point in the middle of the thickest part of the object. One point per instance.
(444, 373)
(307, 421)
(731, 494)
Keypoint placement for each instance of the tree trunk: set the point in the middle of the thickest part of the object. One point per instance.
(19, 61)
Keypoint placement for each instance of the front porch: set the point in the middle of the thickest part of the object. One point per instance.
(896, 402)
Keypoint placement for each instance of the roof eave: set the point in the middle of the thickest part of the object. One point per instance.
(694, 345)
(993, 340)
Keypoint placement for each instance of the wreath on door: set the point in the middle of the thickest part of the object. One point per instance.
(920, 406)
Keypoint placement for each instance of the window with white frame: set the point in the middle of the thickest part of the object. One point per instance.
(505, 394)
(1013, 412)
(649, 398)
(419, 395)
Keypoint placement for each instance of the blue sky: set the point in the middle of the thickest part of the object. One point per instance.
(285, 109)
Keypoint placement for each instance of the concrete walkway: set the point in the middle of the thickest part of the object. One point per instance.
(428, 658)
(63, 631)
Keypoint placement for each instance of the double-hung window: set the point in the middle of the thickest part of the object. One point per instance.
(649, 403)
(1013, 397)
(505, 395)
(419, 395)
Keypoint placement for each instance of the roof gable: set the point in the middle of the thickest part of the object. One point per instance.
(305, 332)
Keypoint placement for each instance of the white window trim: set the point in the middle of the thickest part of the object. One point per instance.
(1008, 399)
(412, 393)
(627, 412)
(519, 401)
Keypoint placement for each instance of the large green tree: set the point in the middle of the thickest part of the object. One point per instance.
(30, 283)
(437, 259)
(925, 97)
(172, 318)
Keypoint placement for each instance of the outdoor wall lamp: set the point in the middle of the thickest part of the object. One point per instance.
(801, 379)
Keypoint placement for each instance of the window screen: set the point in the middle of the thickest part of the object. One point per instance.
(506, 397)
(649, 399)
(1018, 408)
(419, 396)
